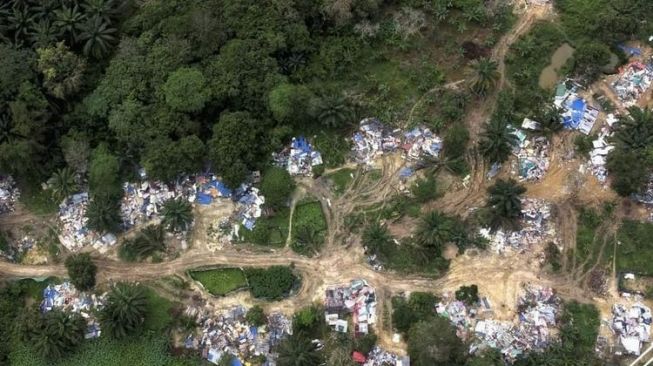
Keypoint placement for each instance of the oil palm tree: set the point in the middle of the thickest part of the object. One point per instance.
(149, 241)
(57, 334)
(107, 10)
(497, 141)
(98, 36)
(45, 9)
(62, 183)
(20, 20)
(69, 20)
(332, 111)
(376, 238)
(307, 240)
(435, 230)
(298, 350)
(550, 120)
(43, 33)
(635, 130)
(504, 202)
(177, 214)
(484, 75)
(125, 310)
(103, 213)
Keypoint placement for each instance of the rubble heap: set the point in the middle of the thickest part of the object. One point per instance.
(634, 79)
(9, 194)
(601, 147)
(533, 158)
(420, 142)
(72, 214)
(358, 299)
(632, 326)
(66, 297)
(539, 308)
(576, 112)
(535, 228)
(460, 316)
(380, 357)
(249, 207)
(143, 201)
(373, 139)
(229, 333)
(299, 158)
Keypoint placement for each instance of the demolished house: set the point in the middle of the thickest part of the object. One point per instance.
(577, 113)
(358, 299)
(67, 298)
(634, 80)
(420, 142)
(380, 357)
(9, 194)
(299, 158)
(539, 308)
(142, 202)
(228, 333)
(72, 215)
(532, 155)
(632, 326)
(373, 139)
(536, 228)
(601, 147)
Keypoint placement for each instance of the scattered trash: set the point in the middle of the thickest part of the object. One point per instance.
(535, 228)
(142, 202)
(249, 205)
(421, 141)
(373, 139)
(357, 298)
(634, 79)
(532, 156)
(229, 333)
(380, 357)
(529, 124)
(299, 158)
(576, 112)
(632, 326)
(9, 194)
(460, 316)
(72, 215)
(65, 297)
(601, 147)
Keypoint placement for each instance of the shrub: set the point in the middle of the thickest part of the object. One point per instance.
(81, 271)
(271, 283)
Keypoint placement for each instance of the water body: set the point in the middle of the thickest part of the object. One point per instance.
(549, 76)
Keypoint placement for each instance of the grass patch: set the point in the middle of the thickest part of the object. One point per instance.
(220, 281)
(269, 231)
(104, 351)
(589, 239)
(38, 201)
(634, 252)
(34, 289)
(341, 179)
(158, 313)
(273, 283)
(309, 226)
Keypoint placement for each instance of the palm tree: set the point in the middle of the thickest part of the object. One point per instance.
(332, 111)
(149, 241)
(45, 9)
(550, 120)
(57, 334)
(635, 130)
(298, 350)
(125, 310)
(43, 33)
(497, 141)
(307, 240)
(484, 75)
(103, 213)
(20, 21)
(177, 214)
(105, 10)
(504, 203)
(69, 20)
(435, 230)
(62, 183)
(376, 238)
(98, 35)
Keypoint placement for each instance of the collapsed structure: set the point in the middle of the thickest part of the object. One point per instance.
(632, 326)
(532, 154)
(535, 228)
(419, 142)
(601, 147)
(67, 298)
(228, 333)
(380, 357)
(634, 79)
(358, 299)
(299, 158)
(9, 194)
(373, 139)
(577, 113)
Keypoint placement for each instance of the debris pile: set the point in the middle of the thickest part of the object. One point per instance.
(72, 214)
(143, 201)
(533, 157)
(538, 310)
(373, 139)
(535, 228)
(209, 188)
(66, 297)
(358, 299)
(460, 316)
(634, 79)
(576, 112)
(380, 357)
(299, 158)
(18, 248)
(249, 205)
(420, 142)
(229, 333)
(632, 326)
(9, 194)
(601, 147)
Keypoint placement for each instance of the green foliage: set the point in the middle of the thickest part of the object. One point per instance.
(103, 213)
(186, 90)
(583, 144)
(504, 202)
(468, 294)
(256, 316)
(553, 256)
(125, 310)
(104, 173)
(177, 215)
(158, 316)
(434, 342)
(633, 249)
(589, 59)
(277, 185)
(425, 189)
(220, 281)
(166, 160)
(341, 179)
(435, 230)
(484, 76)
(309, 227)
(455, 146)
(289, 103)
(62, 183)
(309, 321)
(54, 334)
(298, 350)
(419, 306)
(81, 271)
(497, 140)
(269, 230)
(272, 283)
(62, 70)
(149, 241)
(332, 111)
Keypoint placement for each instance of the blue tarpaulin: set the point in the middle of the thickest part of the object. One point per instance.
(406, 172)
(630, 51)
(204, 199)
(236, 362)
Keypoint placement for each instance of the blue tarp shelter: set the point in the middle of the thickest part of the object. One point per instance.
(236, 362)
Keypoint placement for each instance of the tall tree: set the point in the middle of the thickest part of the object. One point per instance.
(62, 70)
(56, 334)
(332, 111)
(504, 202)
(177, 214)
(125, 310)
(186, 90)
(62, 183)
(98, 35)
(497, 141)
(484, 76)
(103, 213)
(298, 350)
(69, 20)
(81, 271)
